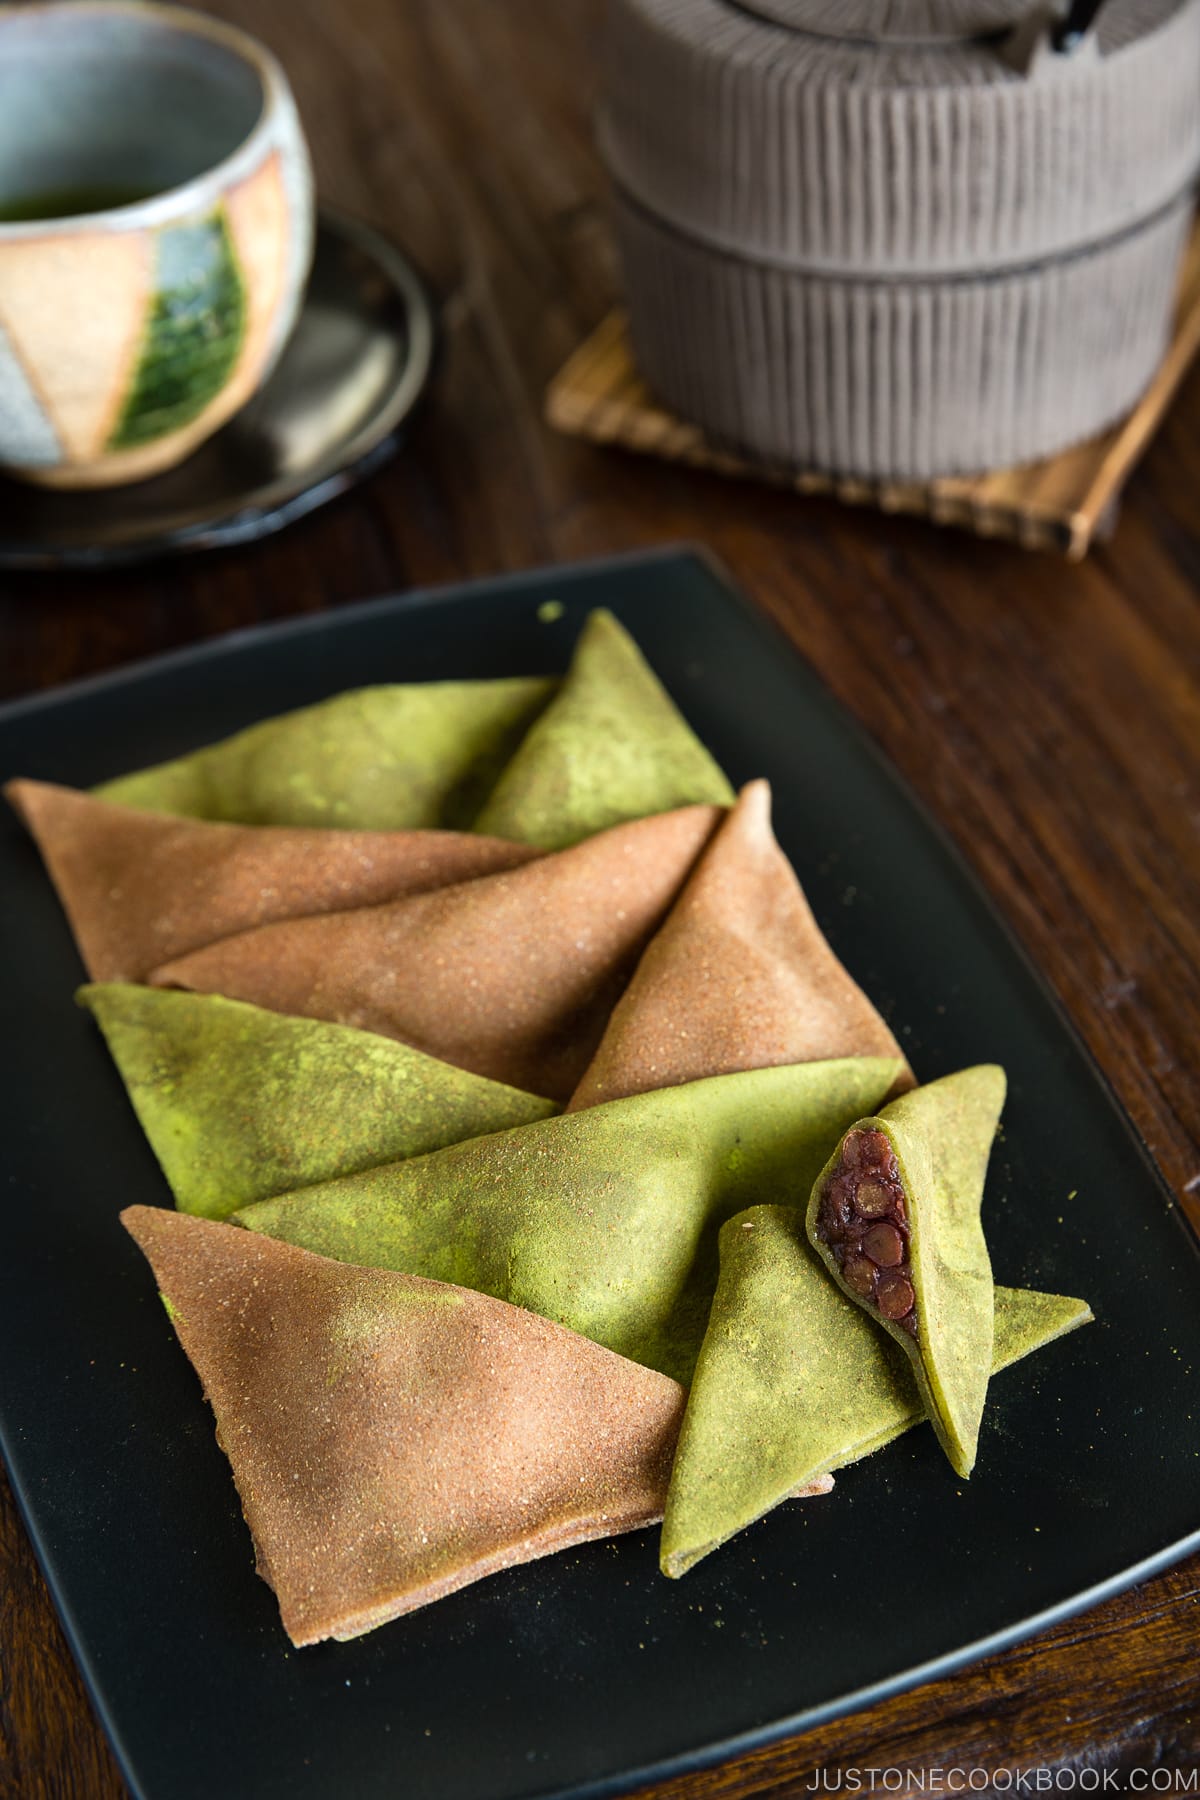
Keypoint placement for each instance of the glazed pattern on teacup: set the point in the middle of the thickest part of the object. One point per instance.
(186, 317)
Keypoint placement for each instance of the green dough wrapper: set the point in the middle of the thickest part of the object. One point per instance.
(512, 975)
(612, 745)
(142, 888)
(393, 1439)
(794, 1381)
(739, 977)
(941, 1138)
(604, 1220)
(240, 1104)
(377, 759)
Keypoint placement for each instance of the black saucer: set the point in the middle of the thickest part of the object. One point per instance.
(331, 413)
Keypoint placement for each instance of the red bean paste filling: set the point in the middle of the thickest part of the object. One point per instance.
(863, 1217)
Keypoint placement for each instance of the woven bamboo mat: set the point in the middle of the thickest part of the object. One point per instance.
(1059, 504)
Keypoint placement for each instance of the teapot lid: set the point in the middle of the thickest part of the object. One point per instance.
(850, 158)
(894, 21)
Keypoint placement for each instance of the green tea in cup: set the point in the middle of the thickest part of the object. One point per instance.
(156, 224)
(69, 203)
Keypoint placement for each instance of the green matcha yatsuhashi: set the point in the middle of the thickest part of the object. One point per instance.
(895, 1216)
(794, 1381)
(378, 758)
(604, 1220)
(239, 1103)
(610, 747)
(528, 759)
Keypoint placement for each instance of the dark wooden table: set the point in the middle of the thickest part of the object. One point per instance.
(1049, 715)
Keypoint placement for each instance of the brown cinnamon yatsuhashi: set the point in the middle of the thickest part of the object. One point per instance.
(512, 976)
(739, 977)
(895, 1216)
(141, 888)
(393, 1439)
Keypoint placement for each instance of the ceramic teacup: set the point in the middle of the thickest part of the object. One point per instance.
(156, 224)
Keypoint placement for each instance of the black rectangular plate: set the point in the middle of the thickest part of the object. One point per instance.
(586, 1673)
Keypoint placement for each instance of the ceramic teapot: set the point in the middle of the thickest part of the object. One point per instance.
(895, 239)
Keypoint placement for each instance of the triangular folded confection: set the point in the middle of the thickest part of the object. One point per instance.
(141, 888)
(512, 976)
(393, 1439)
(605, 1220)
(739, 977)
(794, 1381)
(896, 1217)
(612, 745)
(239, 1103)
(379, 759)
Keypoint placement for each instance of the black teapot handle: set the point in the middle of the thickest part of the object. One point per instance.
(1071, 30)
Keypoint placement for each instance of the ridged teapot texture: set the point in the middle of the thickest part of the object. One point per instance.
(895, 239)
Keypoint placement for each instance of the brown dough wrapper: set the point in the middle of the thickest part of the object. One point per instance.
(142, 888)
(512, 976)
(739, 977)
(393, 1439)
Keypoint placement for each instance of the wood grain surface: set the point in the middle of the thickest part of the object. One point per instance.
(1048, 714)
(1060, 503)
